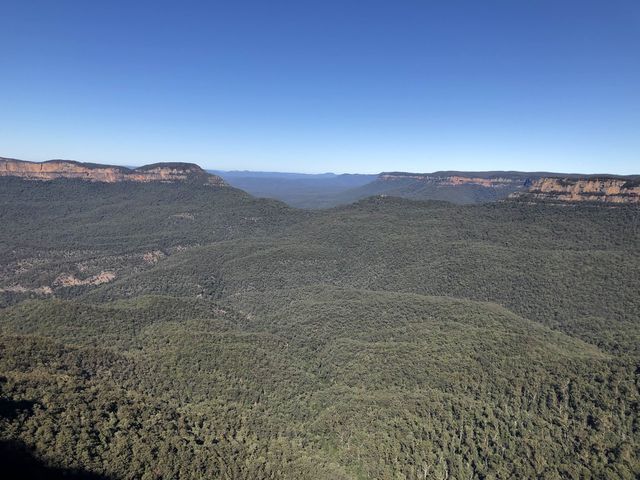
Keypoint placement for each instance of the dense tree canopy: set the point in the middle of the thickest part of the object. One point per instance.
(172, 331)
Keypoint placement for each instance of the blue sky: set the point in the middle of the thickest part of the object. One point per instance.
(344, 86)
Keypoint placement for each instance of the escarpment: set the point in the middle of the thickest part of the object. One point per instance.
(158, 172)
(603, 189)
(531, 186)
(452, 179)
(452, 186)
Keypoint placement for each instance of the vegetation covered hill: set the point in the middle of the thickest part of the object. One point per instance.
(428, 187)
(240, 338)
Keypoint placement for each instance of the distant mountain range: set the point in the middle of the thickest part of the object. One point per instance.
(329, 190)
(298, 189)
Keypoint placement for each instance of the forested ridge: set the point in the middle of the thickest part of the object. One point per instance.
(177, 331)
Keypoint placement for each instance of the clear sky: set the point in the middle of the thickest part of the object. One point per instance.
(313, 86)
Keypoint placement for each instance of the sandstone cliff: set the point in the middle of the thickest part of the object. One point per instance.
(455, 179)
(535, 186)
(586, 189)
(159, 172)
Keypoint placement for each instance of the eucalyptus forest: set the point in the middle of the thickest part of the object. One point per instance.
(167, 330)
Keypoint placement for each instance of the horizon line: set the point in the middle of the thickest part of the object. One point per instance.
(241, 170)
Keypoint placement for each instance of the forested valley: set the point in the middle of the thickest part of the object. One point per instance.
(180, 331)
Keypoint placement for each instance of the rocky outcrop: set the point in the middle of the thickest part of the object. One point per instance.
(586, 189)
(69, 280)
(158, 172)
(533, 186)
(20, 289)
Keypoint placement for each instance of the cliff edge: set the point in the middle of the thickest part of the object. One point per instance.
(603, 189)
(91, 172)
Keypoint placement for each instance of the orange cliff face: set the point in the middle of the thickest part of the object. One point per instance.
(604, 189)
(54, 169)
(536, 186)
